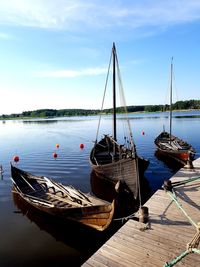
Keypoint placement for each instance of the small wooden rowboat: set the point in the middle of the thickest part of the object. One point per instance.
(175, 148)
(64, 201)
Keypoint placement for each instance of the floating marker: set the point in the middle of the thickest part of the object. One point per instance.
(143, 133)
(55, 155)
(16, 158)
(57, 145)
(81, 146)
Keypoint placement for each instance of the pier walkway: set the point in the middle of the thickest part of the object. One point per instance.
(166, 235)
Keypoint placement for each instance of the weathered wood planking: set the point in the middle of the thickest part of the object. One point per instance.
(166, 236)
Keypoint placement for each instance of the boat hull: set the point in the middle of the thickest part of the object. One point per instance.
(98, 218)
(128, 170)
(62, 201)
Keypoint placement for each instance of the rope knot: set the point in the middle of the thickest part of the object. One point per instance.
(167, 186)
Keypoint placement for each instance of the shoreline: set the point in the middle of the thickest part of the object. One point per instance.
(84, 115)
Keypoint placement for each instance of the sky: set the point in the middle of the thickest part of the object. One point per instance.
(55, 53)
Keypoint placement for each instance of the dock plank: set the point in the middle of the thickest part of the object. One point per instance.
(165, 236)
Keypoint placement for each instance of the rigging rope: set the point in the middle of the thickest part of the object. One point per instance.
(193, 244)
(138, 183)
(104, 94)
(133, 148)
(124, 103)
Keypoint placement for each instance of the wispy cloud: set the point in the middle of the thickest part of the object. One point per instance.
(5, 36)
(73, 14)
(71, 73)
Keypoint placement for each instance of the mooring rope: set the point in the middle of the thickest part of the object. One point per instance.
(193, 244)
(126, 218)
(138, 183)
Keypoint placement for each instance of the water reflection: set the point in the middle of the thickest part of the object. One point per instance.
(185, 116)
(81, 238)
(1, 172)
(168, 161)
(57, 119)
(40, 121)
(125, 203)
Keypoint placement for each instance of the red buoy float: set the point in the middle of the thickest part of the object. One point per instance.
(16, 158)
(57, 145)
(81, 146)
(55, 155)
(143, 133)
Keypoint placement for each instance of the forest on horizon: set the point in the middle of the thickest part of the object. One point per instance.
(46, 113)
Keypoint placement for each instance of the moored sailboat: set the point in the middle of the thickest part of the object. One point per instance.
(110, 159)
(170, 145)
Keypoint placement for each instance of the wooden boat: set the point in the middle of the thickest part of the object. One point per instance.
(110, 159)
(172, 146)
(175, 148)
(73, 235)
(64, 201)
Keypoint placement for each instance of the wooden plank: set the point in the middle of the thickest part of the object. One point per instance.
(161, 235)
(157, 253)
(97, 262)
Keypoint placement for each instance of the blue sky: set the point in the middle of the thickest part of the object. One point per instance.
(55, 53)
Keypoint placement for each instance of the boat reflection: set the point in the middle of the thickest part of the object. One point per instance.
(171, 163)
(83, 239)
(41, 121)
(1, 172)
(126, 204)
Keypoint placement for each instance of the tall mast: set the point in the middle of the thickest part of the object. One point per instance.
(170, 115)
(114, 94)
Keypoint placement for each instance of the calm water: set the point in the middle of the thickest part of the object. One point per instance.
(32, 239)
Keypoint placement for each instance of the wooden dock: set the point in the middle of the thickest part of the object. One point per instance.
(165, 236)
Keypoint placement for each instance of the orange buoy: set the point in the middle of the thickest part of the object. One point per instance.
(16, 158)
(57, 145)
(55, 155)
(81, 146)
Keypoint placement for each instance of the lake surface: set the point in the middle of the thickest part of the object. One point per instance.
(32, 239)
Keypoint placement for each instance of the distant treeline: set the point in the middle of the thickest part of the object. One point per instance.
(46, 113)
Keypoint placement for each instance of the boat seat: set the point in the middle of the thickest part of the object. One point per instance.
(29, 191)
(52, 199)
(59, 191)
(104, 158)
(56, 191)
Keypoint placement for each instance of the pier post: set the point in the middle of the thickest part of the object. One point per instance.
(144, 214)
(189, 164)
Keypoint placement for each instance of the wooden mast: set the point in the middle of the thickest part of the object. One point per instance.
(114, 94)
(170, 115)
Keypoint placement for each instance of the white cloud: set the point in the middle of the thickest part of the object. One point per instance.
(5, 36)
(70, 14)
(71, 73)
